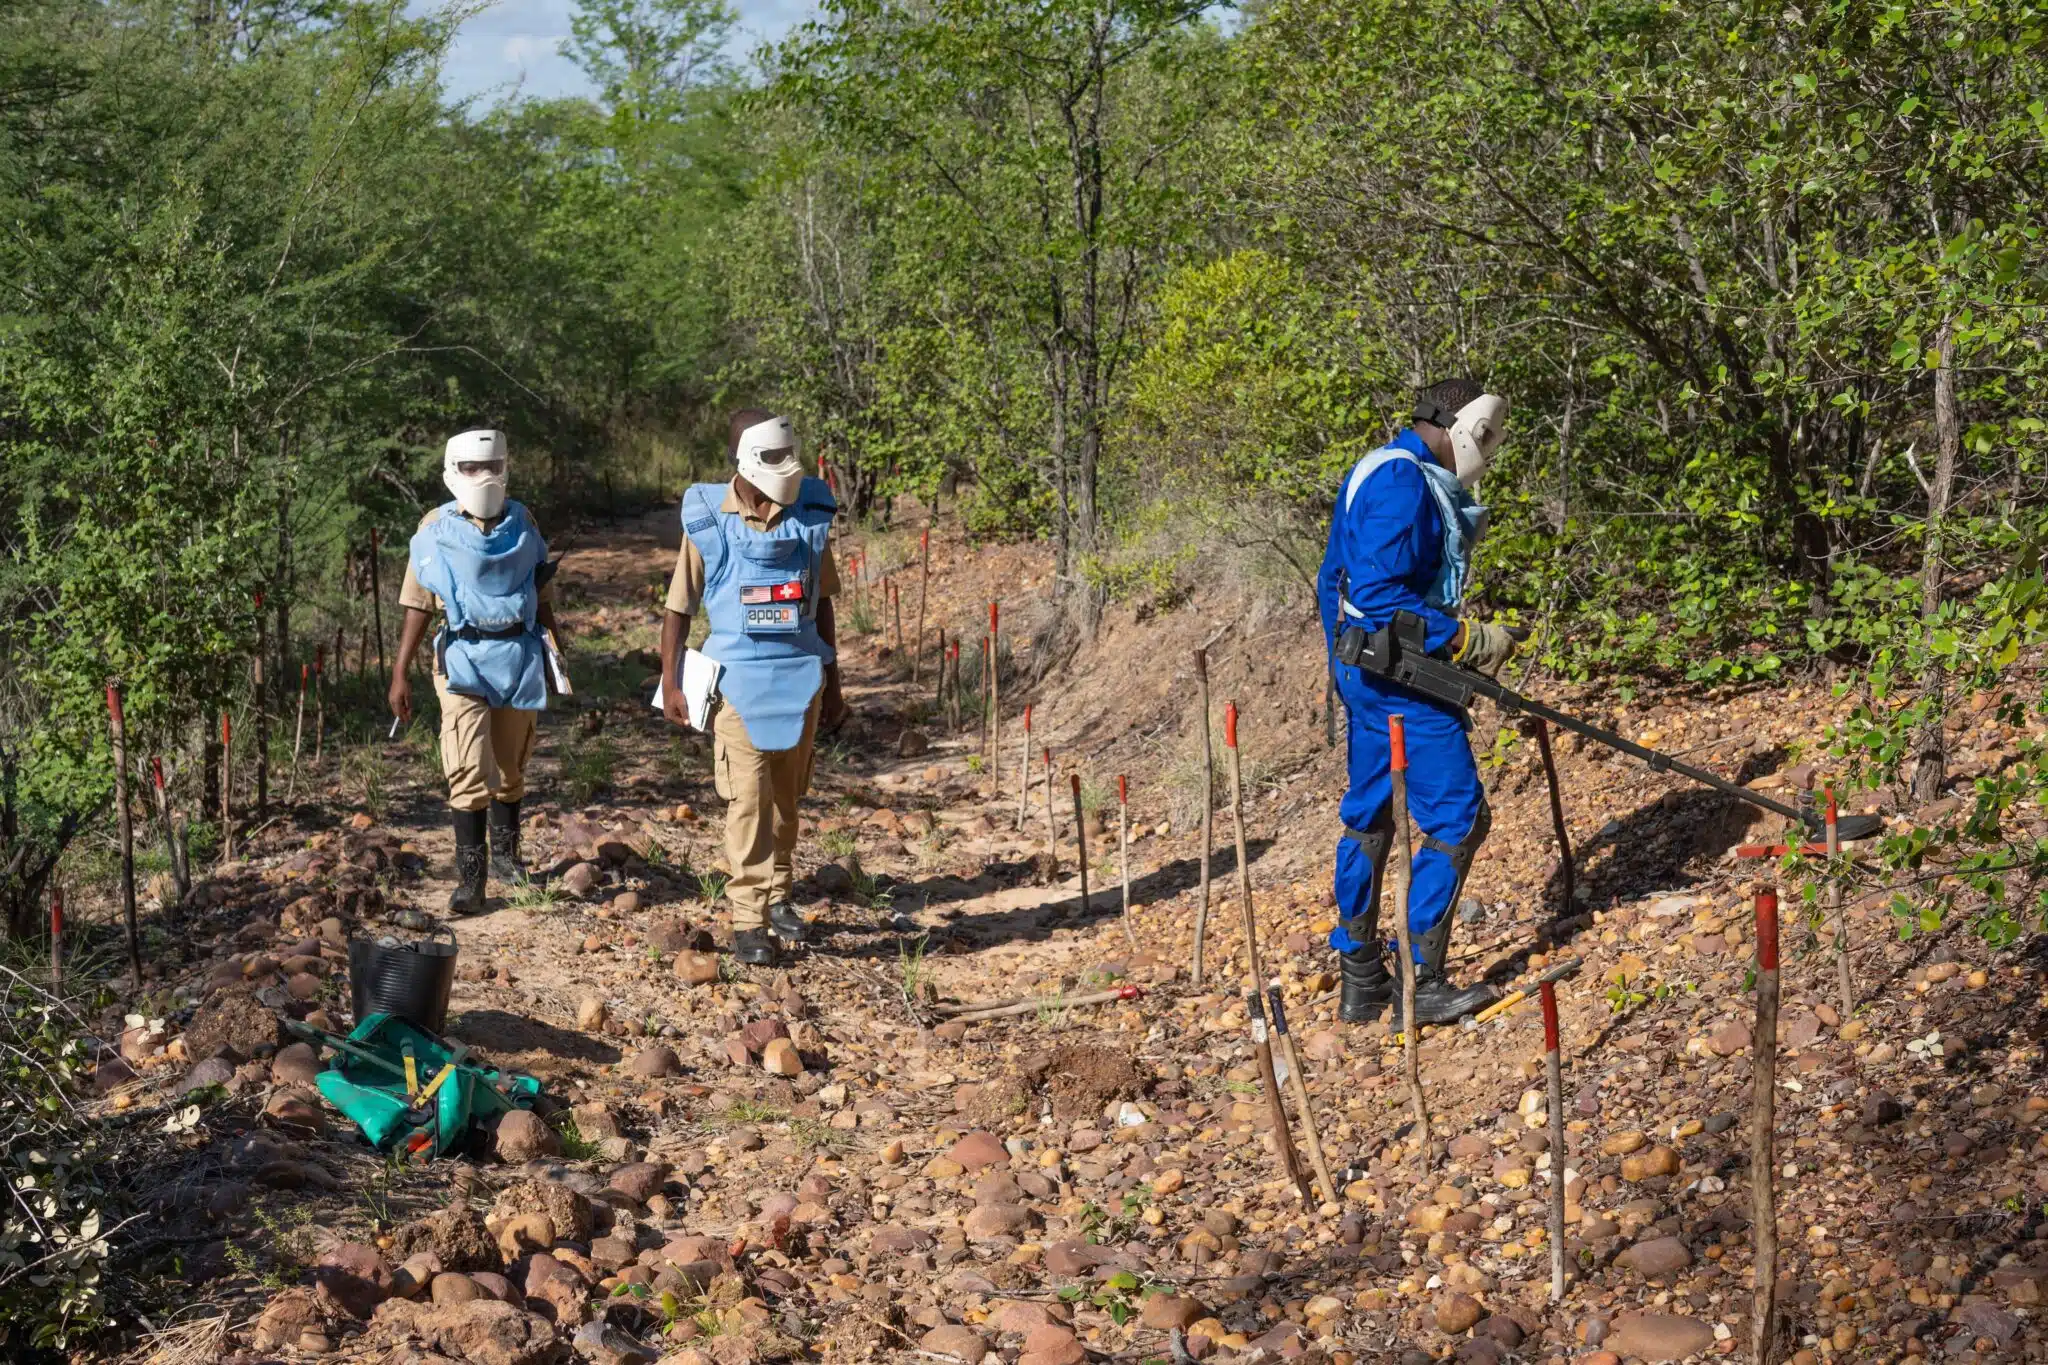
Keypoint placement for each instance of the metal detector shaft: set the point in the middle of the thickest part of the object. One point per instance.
(1398, 652)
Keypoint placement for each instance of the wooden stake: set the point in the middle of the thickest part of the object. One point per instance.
(1845, 984)
(1564, 838)
(1763, 1161)
(1208, 801)
(1553, 1064)
(1080, 838)
(939, 693)
(896, 610)
(1052, 834)
(1024, 771)
(261, 702)
(1404, 873)
(298, 733)
(174, 842)
(227, 789)
(1298, 1082)
(1123, 852)
(125, 823)
(1254, 1001)
(995, 706)
(56, 935)
(924, 591)
(319, 701)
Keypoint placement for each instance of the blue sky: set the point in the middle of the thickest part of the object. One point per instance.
(510, 48)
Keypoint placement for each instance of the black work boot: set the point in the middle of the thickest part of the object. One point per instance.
(472, 862)
(1437, 1001)
(1368, 986)
(505, 864)
(755, 948)
(786, 924)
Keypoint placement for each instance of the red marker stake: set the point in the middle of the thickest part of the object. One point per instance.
(227, 786)
(1080, 838)
(1404, 876)
(1553, 1065)
(1763, 1161)
(181, 870)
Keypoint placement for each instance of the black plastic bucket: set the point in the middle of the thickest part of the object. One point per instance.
(410, 980)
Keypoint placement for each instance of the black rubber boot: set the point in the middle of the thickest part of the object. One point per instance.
(472, 863)
(786, 924)
(755, 948)
(1368, 986)
(1437, 1001)
(505, 864)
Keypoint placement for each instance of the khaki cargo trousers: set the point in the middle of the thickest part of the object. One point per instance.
(760, 792)
(484, 749)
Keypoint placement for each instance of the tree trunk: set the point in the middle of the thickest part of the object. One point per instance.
(1930, 752)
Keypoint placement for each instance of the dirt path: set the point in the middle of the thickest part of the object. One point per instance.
(815, 1163)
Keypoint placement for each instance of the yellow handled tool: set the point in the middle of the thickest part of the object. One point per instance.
(1513, 998)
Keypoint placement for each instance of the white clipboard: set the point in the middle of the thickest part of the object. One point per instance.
(700, 678)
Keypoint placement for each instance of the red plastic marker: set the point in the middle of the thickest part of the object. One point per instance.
(156, 771)
(1230, 725)
(1123, 790)
(1767, 930)
(1397, 743)
(114, 705)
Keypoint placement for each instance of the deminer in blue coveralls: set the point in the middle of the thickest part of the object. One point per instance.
(1401, 539)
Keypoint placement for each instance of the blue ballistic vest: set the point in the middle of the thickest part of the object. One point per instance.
(761, 597)
(490, 646)
(1463, 518)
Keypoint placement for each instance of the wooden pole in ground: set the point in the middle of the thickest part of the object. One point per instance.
(125, 824)
(1208, 802)
(261, 702)
(1123, 852)
(995, 705)
(1080, 838)
(1564, 838)
(924, 592)
(377, 610)
(939, 689)
(896, 610)
(953, 691)
(1404, 873)
(227, 789)
(1553, 1065)
(1024, 771)
(1052, 833)
(1763, 1161)
(298, 733)
(56, 935)
(1255, 979)
(1845, 984)
(1298, 1082)
(319, 701)
(174, 844)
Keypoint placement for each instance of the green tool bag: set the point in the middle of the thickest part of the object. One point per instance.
(372, 1094)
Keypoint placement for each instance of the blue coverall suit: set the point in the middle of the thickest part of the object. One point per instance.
(1386, 554)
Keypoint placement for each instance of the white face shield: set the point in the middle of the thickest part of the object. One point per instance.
(473, 467)
(1476, 432)
(767, 459)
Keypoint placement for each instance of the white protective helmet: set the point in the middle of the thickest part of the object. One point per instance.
(1476, 429)
(767, 459)
(473, 467)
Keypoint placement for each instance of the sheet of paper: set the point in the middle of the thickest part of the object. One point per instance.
(700, 687)
(556, 666)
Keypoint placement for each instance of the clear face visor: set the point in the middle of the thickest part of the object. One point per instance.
(480, 469)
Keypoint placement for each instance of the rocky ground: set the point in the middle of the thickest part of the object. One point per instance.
(822, 1162)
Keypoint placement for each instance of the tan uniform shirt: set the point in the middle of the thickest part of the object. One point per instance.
(686, 588)
(411, 594)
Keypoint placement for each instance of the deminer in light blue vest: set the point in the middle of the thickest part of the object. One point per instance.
(479, 560)
(1401, 540)
(756, 560)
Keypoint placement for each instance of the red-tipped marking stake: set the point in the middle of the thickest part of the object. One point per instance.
(1763, 1162)
(1123, 851)
(1553, 1066)
(1024, 770)
(1080, 837)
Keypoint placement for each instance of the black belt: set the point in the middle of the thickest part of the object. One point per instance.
(474, 633)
